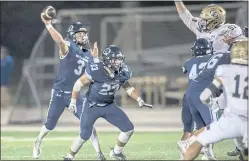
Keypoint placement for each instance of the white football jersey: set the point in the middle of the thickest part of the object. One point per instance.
(235, 84)
(215, 36)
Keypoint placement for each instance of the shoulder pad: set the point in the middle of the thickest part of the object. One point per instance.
(126, 71)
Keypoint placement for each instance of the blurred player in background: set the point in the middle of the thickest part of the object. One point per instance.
(201, 52)
(105, 76)
(233, 79)
(73, 59)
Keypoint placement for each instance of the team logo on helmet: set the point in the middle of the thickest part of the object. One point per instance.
(106, 51)
(213, 13)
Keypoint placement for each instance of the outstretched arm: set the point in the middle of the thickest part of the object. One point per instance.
(214, 90)
(56, 36)
(186, 16)
(132, 92)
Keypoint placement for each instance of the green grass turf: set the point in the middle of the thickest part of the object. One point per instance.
(146, 145)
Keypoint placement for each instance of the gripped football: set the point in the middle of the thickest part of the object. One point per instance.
(49, 13)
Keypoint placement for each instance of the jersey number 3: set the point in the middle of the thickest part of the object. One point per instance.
(81, 65)
(237, 87)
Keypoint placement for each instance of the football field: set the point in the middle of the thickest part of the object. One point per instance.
(16, 145)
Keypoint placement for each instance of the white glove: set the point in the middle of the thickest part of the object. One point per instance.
(142, 104)
(72, 106)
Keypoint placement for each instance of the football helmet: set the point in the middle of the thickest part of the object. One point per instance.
(201, 47)
(239, 51)
(212, 17)
(113, 57)
(78, 33)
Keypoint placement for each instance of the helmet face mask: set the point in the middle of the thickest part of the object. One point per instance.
(212, 17)
(78, 33)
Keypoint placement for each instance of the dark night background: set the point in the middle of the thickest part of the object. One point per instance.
(21, 24)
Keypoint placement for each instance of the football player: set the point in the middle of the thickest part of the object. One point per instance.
(233, 79)
(200, 112)
(210, 25)
(105, 76)
(236, 151)
(73, 60)
(201, 52)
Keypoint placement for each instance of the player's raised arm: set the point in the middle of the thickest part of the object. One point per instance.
(56, 36)
(132, 92)
(186, 16)
(83, 80)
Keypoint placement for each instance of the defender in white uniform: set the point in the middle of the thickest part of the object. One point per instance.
(233, 79)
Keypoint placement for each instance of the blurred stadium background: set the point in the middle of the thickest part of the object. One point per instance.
(154, 39)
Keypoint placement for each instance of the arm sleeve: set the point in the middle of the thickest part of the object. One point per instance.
(190, 21)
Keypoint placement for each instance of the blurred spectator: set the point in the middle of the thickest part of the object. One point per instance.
(7, 64)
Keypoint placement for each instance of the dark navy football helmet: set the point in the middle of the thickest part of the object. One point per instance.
(113, 57)
(201, 47)
(78, 33)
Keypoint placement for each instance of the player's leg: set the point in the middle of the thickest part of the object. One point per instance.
(226, 128)
(207, 117)
(183, 145)
(118, 118)
(187, 121)
(94, 137)
(90, 113)
(56, 108)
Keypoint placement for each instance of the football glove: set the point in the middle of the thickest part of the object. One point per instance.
(72, 106)
(142, 104)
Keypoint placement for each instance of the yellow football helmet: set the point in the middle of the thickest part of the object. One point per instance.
(212, 17)
(239, 51)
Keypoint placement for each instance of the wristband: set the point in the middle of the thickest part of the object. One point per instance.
(139, 99)
(49, 26)
(73, 101)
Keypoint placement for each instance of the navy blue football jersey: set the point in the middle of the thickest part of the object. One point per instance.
(104, 86)
(71, 67)
(206, 76)
(193, 66)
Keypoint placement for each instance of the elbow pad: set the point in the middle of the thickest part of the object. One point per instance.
(130, 90)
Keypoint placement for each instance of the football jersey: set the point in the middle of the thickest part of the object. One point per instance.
(207, 74)
(235, 84)
(193, 66)
(104, 86)
(71, 67)
(215, 36)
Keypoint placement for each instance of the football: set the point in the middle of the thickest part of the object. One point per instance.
(49, 13)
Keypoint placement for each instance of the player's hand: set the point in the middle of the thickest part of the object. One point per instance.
(46, 22)
(95, 50)
(72, 106)
(142, 104)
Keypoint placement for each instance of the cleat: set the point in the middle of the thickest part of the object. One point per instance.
(37, 150)
(234, 152)
(208, 155)
(120, 156)
(100, 156)
(68, 157)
